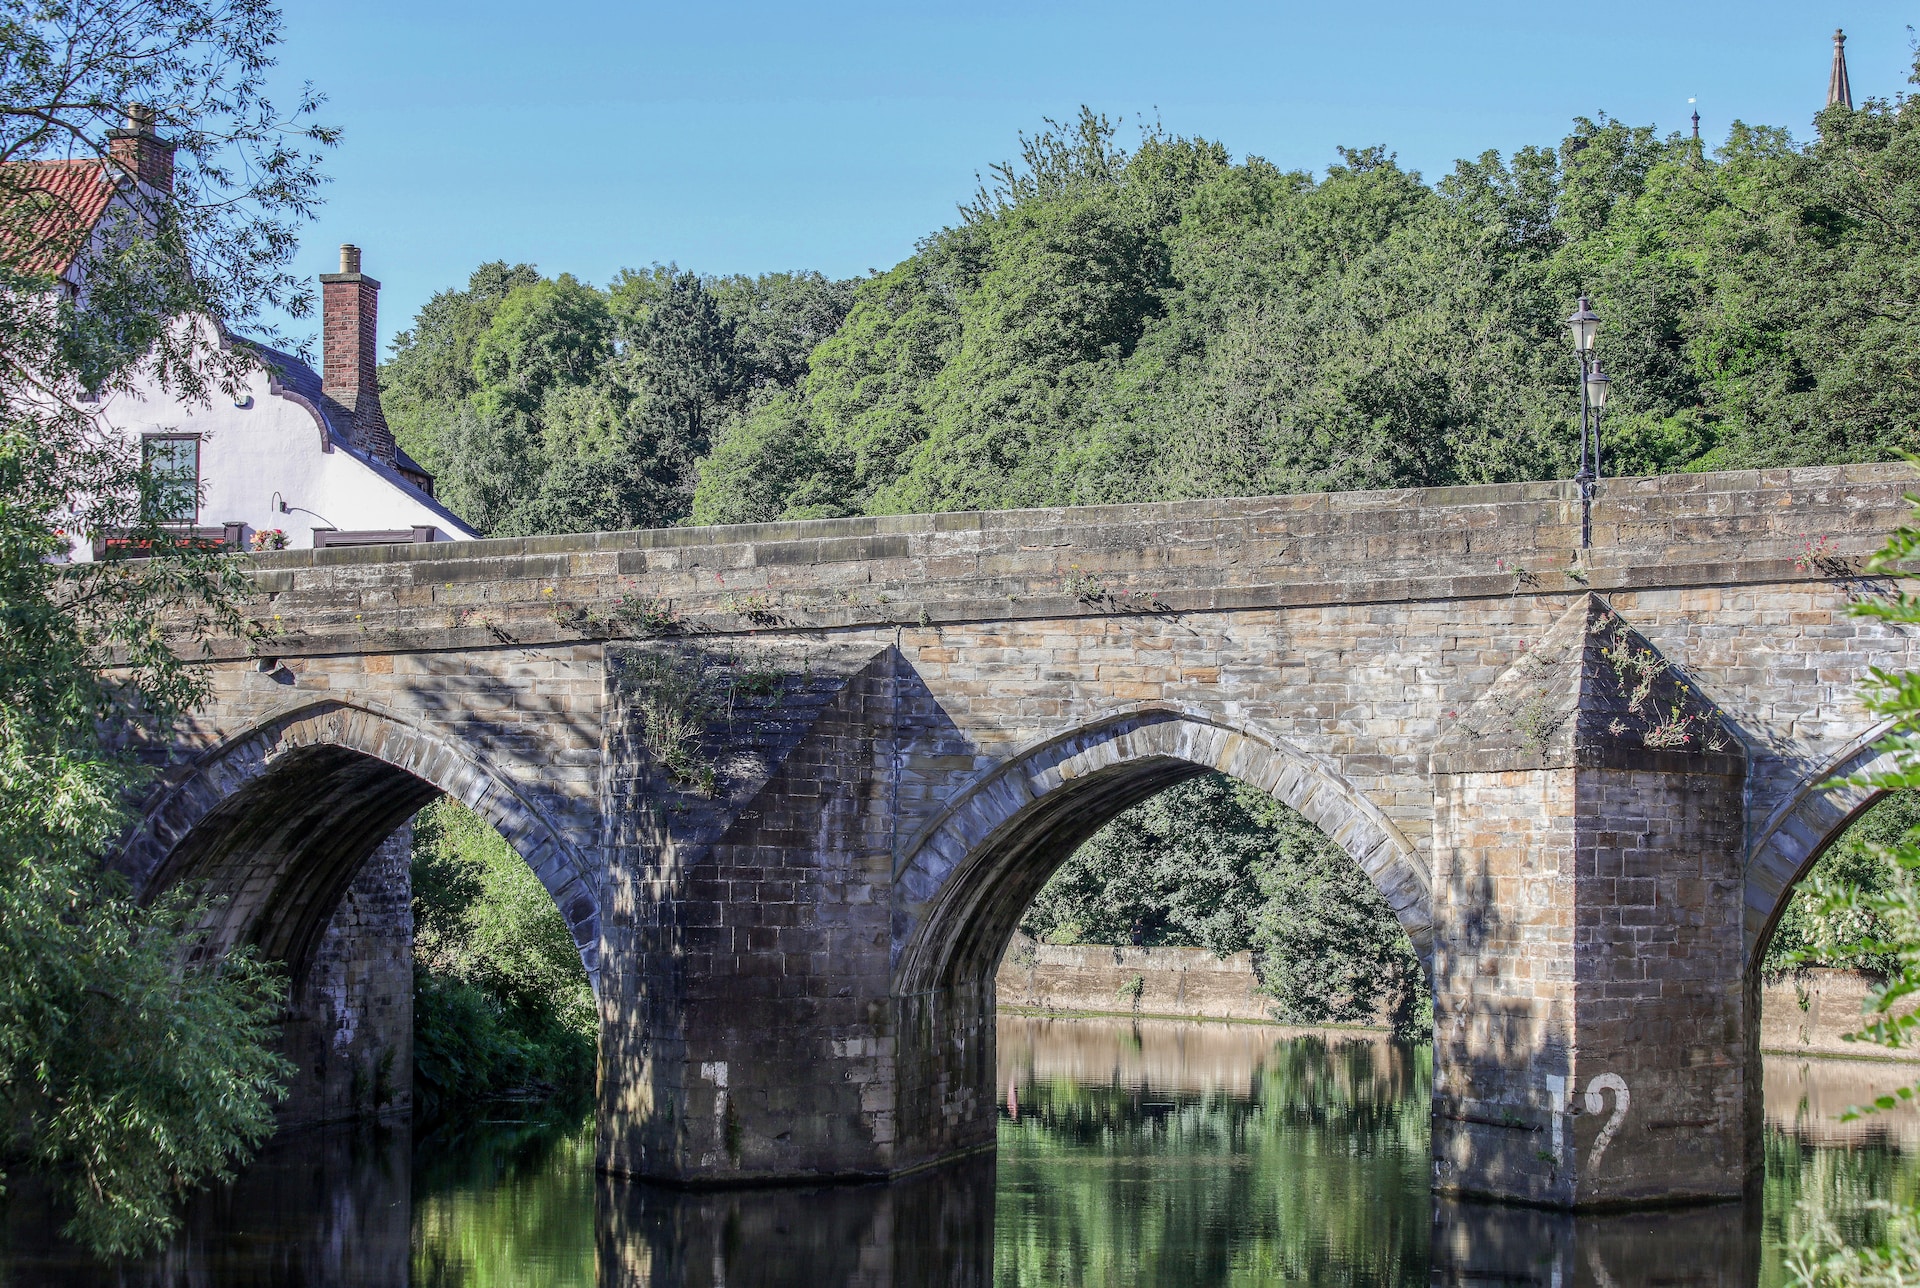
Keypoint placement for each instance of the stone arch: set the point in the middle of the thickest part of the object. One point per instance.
(275, 821)
(1810, 819)
(968, 877)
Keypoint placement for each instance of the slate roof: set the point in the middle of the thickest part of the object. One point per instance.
(295, 377)
(75, 194)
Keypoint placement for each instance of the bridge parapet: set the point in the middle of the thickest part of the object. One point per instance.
(1402, 546)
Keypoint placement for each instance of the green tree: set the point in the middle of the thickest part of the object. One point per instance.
(778, 320)
(501, 1001)
(544, 336)
(1217, 864)
(1180, 868)
(424, 387)
(132, 1066)
(1813, 932)
(551, 406)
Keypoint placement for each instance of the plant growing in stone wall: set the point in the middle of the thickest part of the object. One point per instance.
(645, 614)
(1672, 732)
(633, 615)
(1536, 720)
(680, 699)
(674, 703)
(1634, 670)
(752, 605)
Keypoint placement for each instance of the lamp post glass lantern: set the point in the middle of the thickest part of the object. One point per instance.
(1585, 328)
(1597, 382)
(1585, 324)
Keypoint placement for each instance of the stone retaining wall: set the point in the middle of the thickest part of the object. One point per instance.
(1186, 982)
(1809, 1014)
(1799, 1015)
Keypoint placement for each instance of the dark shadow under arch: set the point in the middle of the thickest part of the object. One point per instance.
(274, 824)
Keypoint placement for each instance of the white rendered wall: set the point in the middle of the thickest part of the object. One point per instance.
(275, 445)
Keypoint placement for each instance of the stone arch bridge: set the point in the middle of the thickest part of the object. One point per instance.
(792, 786)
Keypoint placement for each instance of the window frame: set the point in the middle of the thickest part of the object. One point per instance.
(147, 442)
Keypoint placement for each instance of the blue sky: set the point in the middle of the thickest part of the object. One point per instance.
(583, 136)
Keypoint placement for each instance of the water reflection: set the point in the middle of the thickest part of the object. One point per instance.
(506, 1200)
(934, 1229)
(1181, 1153)
(1714, 1246)
(319, 1207)
(1157, 1152)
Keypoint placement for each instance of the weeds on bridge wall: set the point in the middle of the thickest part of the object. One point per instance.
(679, 698)
(1093, 591)
(675, 704)
(1635, 671)
(1536, 720)
(633, 615)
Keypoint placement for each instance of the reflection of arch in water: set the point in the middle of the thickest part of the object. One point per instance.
(970, 875)
(274, 823)
(1812, 817)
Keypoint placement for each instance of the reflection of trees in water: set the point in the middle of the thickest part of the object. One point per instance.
(493, 1197)
(322, 1206)
(1213, 1156)
(1835, 1183)
(1318, 1175)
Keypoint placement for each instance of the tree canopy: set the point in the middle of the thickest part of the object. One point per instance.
(1110, 325)
(547, 405)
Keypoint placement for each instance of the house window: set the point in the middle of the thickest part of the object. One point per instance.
(173, 462)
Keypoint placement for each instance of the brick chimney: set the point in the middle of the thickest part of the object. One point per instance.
(350, 338)
(140, 152)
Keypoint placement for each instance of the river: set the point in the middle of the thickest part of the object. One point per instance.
(1131, 1153)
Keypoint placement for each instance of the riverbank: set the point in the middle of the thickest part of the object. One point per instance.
(1807, 1014)
(1161, 983)
(1811, 1012)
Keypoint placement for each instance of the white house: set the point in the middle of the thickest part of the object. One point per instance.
(296, 453)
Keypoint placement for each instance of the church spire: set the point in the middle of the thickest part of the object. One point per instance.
(1838, 89)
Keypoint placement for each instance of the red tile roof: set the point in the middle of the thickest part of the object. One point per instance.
(70, 197)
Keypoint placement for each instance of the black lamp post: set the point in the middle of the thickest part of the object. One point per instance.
(1585, 326)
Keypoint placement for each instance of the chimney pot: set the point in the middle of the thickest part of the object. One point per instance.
(350, 336)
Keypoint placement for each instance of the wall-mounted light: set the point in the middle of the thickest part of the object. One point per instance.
(282, 506)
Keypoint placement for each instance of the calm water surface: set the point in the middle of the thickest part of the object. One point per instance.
(1150, 1153)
